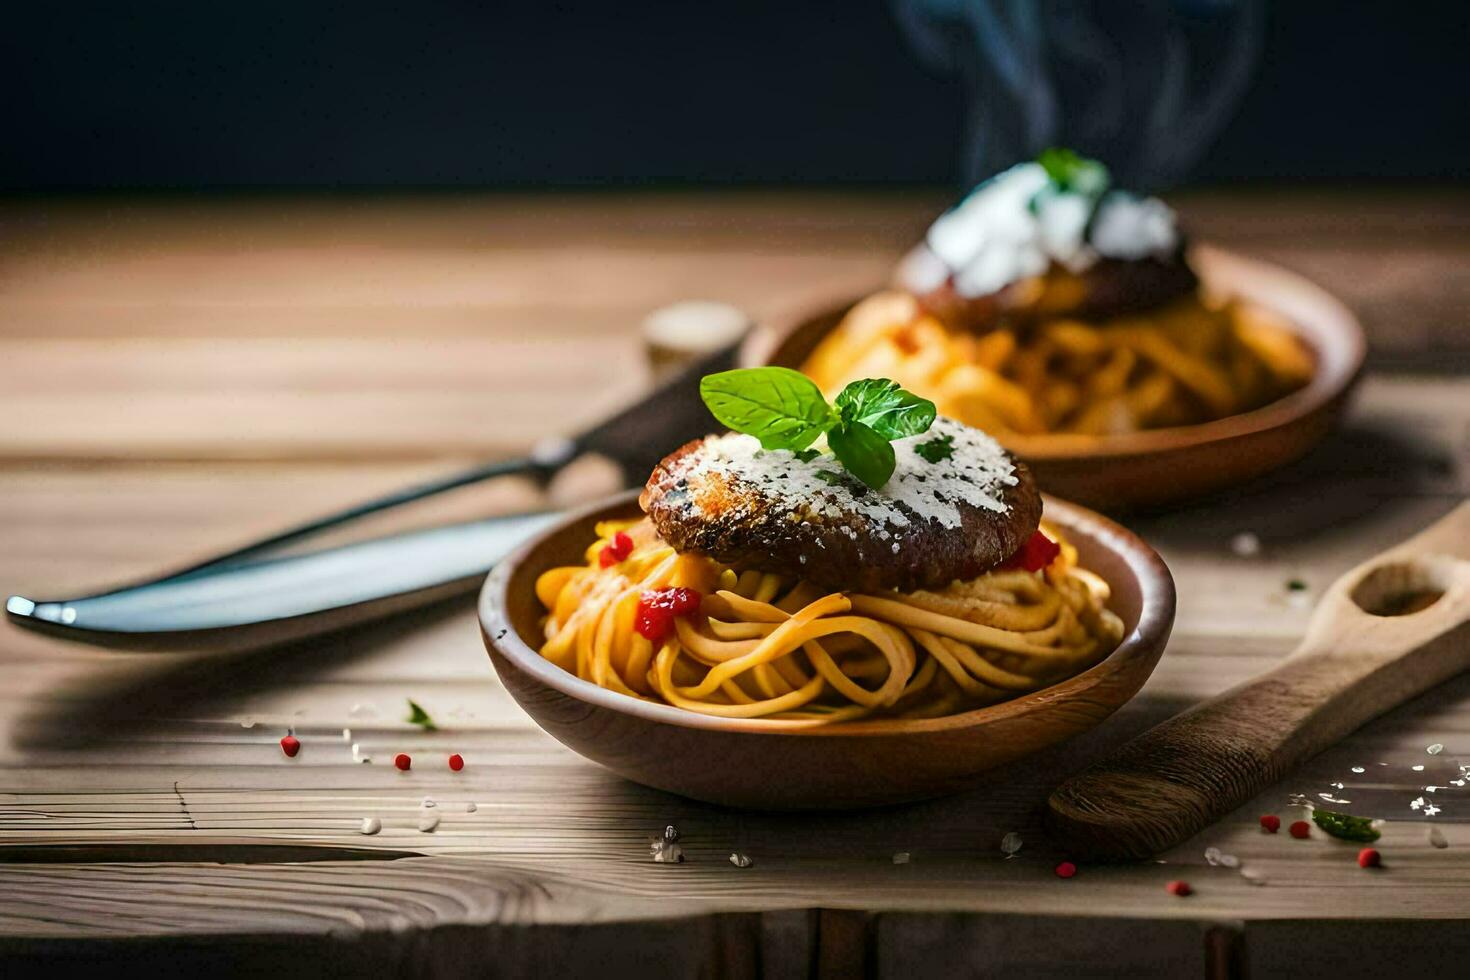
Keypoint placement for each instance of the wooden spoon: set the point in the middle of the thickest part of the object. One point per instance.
(1388, 630)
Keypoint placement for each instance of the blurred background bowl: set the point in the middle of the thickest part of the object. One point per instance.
(1166, 466)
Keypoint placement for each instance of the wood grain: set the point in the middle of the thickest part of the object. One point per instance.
(1360, 658)
(177, 376)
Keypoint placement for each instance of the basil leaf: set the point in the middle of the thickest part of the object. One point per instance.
(1346, 826)
(863, 453)
(884, 407)
(936, 450)
(782, 408)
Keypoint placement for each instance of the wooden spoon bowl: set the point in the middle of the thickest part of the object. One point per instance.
(756, 764)
(1162, 466)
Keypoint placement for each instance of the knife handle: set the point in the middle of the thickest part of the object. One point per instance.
(227, 606)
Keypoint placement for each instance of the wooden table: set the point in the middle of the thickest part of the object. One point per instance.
(180, 375)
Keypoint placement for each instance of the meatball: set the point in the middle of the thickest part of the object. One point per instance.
(956, 505)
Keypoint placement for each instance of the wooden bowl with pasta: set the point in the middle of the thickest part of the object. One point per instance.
(756, 764)
(1146, 467)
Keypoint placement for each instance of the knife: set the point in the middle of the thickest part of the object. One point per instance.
(253, 596)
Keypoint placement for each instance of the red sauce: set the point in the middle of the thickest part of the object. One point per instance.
(619, 550)
(657, 609)
(1038, 552)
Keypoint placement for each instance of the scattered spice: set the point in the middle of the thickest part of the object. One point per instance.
(657, 609)
(418, 716)
(1369, 857)
(1301, 830)
(290, 745)
(456, 762)
(1066, 869)
(1179, 888)
(1270, 823)
(619, 550)
(402, 761)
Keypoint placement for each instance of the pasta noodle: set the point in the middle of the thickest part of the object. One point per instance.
(764, 648)
(1185, 363)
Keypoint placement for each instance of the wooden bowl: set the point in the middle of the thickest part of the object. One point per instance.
(1163, 466)
(753, 764)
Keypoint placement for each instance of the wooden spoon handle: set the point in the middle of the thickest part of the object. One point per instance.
(1179, 777)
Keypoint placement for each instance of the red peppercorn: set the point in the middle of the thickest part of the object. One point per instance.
(658, 607)
(402, 761)
(1066, 869)
(1179, 888)
(1038, 552)
(290, 745)
(1369, 857)
(456, 762)
(1270, 823)
(1301, 830)
(619, 550)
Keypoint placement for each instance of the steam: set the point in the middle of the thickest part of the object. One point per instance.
(1145, 86)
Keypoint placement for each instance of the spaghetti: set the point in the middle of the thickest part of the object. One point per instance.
(1185, 363)
(763, 647)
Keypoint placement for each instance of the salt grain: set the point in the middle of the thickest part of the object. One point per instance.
(1431, 810)
(1417, 768)
(363, 710)
(1359, 769)
(1010, 844)
(1435, 749)
(346, 734)
(358, 755)
(1229, 861)
(428, 820)
(1245, 545)
(1212, 856)
(370, 826)
(740, 860)
(470, 808)
(902, 857)
(1253, 876)
(1437, 838)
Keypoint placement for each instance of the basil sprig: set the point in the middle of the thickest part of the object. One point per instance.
(1071, 172)
(785, 409)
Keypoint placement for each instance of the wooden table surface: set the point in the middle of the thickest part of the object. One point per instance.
(180, 375)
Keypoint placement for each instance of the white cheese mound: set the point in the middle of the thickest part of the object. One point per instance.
(1014, 226)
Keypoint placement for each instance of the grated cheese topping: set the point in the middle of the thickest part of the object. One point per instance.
(976, 474)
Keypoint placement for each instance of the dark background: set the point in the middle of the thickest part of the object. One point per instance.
(367, 94)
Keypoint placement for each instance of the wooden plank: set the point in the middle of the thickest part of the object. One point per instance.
(185, 375)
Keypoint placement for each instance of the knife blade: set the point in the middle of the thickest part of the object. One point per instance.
(254, 596)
